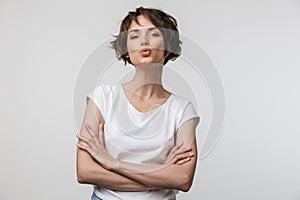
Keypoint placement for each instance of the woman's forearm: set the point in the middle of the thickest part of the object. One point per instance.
(90, 172)
(166, 176)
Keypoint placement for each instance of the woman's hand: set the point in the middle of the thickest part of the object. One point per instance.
(94, 145)
(179, 155)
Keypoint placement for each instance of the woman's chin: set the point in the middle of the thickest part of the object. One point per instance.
(145, 62)
(149, 65)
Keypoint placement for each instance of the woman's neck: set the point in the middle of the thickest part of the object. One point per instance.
(147, 81)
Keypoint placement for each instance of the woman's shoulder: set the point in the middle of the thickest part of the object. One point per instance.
(106, 88)
(180, 99)
(179, 103)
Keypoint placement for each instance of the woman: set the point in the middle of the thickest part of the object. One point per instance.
(137, 140)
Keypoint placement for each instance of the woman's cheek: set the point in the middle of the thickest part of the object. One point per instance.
(159, 45)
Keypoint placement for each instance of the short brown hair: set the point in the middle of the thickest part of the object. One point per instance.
(163, 21)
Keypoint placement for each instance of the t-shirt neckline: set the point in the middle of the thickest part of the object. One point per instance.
(144, 113)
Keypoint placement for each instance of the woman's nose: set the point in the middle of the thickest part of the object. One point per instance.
(144, 40)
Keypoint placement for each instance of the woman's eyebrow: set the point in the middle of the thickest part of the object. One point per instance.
(133, 30)
(152, 28)
(138, 30)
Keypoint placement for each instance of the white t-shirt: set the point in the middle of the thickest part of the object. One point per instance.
(139, 137)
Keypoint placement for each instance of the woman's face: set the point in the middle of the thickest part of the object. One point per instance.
(145, 43)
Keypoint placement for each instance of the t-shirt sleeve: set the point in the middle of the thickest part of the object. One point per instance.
(189, 112)
(97, 96)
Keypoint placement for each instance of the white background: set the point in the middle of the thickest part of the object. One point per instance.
(254, 44)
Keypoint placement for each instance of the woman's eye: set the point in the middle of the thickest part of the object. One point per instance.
(154, 34)
(133, 37)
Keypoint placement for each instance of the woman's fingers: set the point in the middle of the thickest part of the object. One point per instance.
(93, 134)
(183, 156)
(97, 137)
(84, 139)
(179, 154)
(90, 130)
(178, 146)
(101, 132)
(101, 126)
(178, 151)
(83, 147)
(175, 148)
(182, 161)
(181, 151)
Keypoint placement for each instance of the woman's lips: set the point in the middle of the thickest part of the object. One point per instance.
(145, 52)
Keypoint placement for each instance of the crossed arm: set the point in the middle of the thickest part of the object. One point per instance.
(96, 166)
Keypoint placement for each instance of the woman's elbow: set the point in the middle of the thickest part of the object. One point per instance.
(81, 177)
(186, 182)
(84, 169)
(185, 187)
